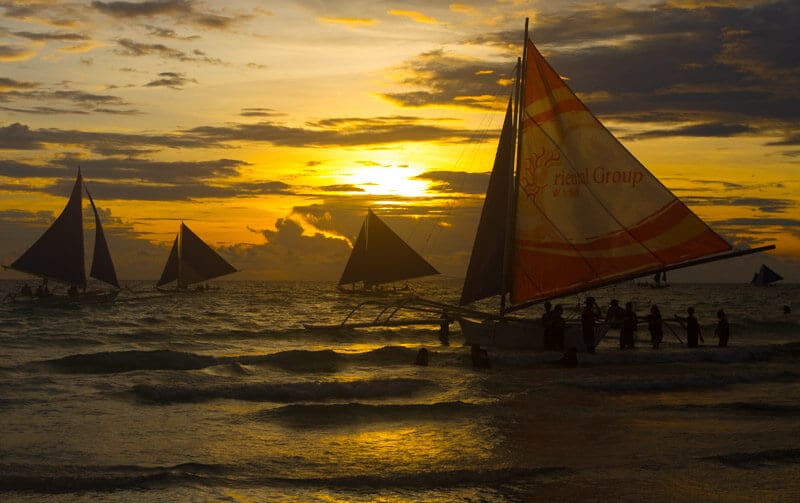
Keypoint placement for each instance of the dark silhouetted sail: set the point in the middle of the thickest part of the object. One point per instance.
(381, 256)
(58, 254)
(485, 275)
(192, 261)
(102, 266)
(765, 276)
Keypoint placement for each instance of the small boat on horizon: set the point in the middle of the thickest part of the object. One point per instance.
(380, 257)
(765, 276)
(192, 261)
(59, 255)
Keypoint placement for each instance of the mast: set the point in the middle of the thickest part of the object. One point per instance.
(180, 258)
(508, 255)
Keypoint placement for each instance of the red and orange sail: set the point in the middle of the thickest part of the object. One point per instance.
(587, 211)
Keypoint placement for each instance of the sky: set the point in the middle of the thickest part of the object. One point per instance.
(269, 128)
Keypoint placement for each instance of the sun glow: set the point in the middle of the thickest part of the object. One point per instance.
(390, 180)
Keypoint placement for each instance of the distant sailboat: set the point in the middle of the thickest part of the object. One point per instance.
(59, 253)
(380, 256)
(569, 209)
(765, 276)
(192, 261)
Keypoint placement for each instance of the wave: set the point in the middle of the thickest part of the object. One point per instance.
(281, 392)
(691, 380)
(79, 479)
(305, 415)
(646, 356)
(126, 361)
(82, 479)
(753, 408)
(759, 458)
(324, 360)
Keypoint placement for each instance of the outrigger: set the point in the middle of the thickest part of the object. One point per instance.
(390, 313)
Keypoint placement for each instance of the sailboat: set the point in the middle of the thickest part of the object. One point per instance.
(59, 255)
(192, 261)
(379, 257)
(765, 276)
(568, 208)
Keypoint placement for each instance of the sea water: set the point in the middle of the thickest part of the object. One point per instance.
(225, 396)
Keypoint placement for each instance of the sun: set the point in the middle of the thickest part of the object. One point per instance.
(390, 181)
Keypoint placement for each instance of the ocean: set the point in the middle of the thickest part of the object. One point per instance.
(225, 396)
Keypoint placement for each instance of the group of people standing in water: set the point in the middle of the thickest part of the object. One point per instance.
(626, 321)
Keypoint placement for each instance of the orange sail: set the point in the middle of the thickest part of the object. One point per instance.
(587, 211)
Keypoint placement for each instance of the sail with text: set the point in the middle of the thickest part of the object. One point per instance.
(381, 256)
(59, 253)
(192, 261)
(575, 210)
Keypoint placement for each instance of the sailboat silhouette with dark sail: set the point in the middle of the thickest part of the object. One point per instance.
(192, 261)
(379, 257)
(59, 255)
(765, 276)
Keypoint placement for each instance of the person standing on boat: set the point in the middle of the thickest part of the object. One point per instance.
(655, 324)
(444, 328)
(589, 316)
(614, 314)
(723, 329)
(692, 329)
(628, 327)
(557, 325)
(547, 337)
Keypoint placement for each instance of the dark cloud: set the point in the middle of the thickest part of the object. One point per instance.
(14, 52)
(180, 10)
(8, 84)
(128, 47)
(727, 71)
(451, 80)
(140, 179)
(292, 253)
(87, 102)
(259, 112)
(144, 9)
(19, 137)
(457, 181)
(695, 130)
(157, 31)
(329, 132)
(338, 131)
(172, 80)
(763, 204)
(51, 36)
(341, 188)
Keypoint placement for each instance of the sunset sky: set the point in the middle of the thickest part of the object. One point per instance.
(270, 127)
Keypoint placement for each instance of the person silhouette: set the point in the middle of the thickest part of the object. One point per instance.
(723, 329)
(655, 324)
(692, 329)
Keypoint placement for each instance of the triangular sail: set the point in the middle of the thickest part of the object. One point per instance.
(191, 260)
(588, 212)
(765, 276)
(170, 272)
(485, 271)
(102, 265)
(381, 256)
(58, 254)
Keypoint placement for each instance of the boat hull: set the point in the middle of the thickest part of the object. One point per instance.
(514, 334)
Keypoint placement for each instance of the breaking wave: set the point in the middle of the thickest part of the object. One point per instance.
(281, 392)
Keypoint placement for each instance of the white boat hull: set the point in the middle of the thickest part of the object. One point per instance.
(514, 334)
